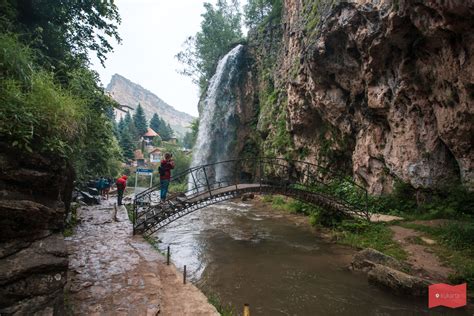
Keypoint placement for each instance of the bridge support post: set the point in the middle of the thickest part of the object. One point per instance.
(194, 181)
(207, 182)
(246, 310)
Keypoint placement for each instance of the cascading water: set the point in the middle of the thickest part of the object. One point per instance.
(217, 124)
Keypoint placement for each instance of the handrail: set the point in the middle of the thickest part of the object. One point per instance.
(195, 168)
(206, 183)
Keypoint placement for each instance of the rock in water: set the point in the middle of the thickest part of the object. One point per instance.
(397, 281)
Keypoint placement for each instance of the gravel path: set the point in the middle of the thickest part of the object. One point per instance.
(112, 272)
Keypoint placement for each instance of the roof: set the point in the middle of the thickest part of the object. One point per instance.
(138, 154)
(150, 133)
(156, 150)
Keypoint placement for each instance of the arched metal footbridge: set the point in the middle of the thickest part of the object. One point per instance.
(205, 185)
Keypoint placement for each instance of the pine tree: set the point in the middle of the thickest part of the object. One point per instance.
(121, 126)
(130, 127)
(155, 123)
(164, 131)
(139, 120)
(126, 143)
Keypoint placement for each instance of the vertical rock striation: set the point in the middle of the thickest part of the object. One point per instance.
(383, 90)
(34, 193)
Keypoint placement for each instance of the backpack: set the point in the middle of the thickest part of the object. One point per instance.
(120, 185)
(162, 171)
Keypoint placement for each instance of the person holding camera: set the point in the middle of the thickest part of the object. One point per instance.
(165, 174)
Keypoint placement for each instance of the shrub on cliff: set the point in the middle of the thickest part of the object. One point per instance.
(39, 114)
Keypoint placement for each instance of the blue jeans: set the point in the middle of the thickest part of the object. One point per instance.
(164, 188)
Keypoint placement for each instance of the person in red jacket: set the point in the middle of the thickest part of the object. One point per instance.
(121, 186)
(165, 174)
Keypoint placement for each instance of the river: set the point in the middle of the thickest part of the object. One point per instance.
(276, 263)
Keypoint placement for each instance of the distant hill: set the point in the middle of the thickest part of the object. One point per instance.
(129, 93)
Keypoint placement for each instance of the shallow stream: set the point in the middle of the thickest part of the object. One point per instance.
(276, 263)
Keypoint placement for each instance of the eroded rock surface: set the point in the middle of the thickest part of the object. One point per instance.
(34, 195)
(383, 90)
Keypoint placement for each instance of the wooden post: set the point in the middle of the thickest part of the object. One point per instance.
(168, 256)
(246, 310)
(184, 275)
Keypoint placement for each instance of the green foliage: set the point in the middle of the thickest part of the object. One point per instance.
(69, 227)
(375, 235)
(191, 137)
(161, 127)
(155, 122)
(313, 11)
(222, 309)
(68, 120)
(63, 33)
(43, 118)
(260, 12)
(127, 144)
(220, 29)
(139, 120)
(455, 247)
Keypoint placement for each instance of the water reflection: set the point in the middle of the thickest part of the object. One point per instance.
(253, 256)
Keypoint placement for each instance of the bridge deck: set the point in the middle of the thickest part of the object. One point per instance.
(265, 175)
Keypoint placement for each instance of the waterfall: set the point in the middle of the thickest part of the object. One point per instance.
(218, 121)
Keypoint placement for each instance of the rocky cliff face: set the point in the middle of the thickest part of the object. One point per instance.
(129, 93)
(34, 193)
(383, 90)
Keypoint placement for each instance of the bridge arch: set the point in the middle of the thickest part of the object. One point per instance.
(213, 183)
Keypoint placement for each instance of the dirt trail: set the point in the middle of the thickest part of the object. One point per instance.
(112, 272)
(425, 263)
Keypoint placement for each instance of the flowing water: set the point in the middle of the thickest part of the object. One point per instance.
(217, 120)
(245, 254)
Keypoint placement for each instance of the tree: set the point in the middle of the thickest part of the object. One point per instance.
(139, 120)
(126, 143)
(257, 12)
(155, 122)
(165, 130)
(220, 28)
(190, 137)
(130, 127)
(64, 30)
(121, 126)
(52, 103)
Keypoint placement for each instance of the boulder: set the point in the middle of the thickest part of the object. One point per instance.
(397, 281)
(247, 196)
(365, 260)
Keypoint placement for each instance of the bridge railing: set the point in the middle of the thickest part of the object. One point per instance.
(276, 172)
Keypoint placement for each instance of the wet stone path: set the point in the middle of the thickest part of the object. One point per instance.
(112, 272)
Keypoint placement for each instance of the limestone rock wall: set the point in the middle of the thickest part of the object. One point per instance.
(386, 86)
(34, 193)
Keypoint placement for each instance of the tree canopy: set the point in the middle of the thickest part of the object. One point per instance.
(161, 127)
(258, 12)
(52, 103)
(139, 120)
(220, 28)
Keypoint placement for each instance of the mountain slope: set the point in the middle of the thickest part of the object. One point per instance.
(129, 93)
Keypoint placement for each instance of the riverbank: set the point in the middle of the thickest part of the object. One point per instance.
(431, 249)
(113, 272)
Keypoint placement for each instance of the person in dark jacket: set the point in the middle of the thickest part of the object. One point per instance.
(121, 186)
(165, 174)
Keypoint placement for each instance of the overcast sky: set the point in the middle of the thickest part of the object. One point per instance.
(153, 32)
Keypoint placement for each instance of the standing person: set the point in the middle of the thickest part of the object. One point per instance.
(165, 174)
(105, 191)
(121, 186)
(101, 186)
